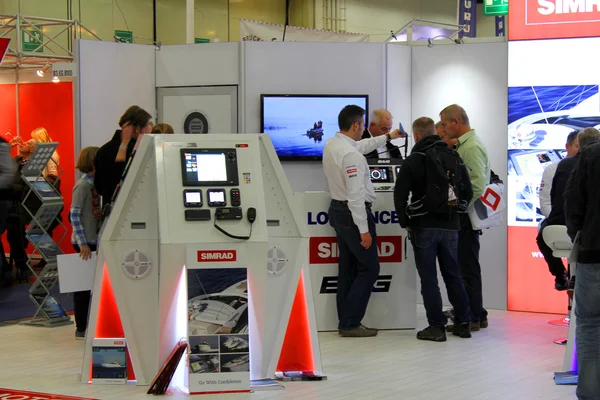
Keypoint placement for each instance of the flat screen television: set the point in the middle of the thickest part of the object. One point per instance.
(300, 125)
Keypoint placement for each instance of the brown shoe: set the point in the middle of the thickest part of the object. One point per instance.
(484, 324)
(359, 331)
(369, 329)
(475, 326)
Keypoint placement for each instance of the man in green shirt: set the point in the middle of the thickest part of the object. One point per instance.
(455, 125)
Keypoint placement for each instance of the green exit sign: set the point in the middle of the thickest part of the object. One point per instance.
(32, 39)
(124, 36)
(495, 7)
(201, 40)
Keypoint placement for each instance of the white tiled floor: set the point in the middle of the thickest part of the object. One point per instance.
(513, 359)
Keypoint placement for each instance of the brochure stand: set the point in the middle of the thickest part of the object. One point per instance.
(43, 203)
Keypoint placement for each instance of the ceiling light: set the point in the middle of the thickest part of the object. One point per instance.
(40, 72)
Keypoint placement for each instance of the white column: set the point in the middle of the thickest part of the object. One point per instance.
(189, 21)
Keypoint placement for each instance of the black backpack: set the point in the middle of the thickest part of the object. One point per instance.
(448, 187)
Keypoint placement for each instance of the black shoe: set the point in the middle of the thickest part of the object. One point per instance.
(433, 333)
(462, 330)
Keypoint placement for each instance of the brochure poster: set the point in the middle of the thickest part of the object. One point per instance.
(545, 104)
(218, 335)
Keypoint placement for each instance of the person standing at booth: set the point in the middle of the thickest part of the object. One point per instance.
(7, 178)
(434, 230)
(112, 157)
(381, 124)
(85, 216)
(582, 208)
(456, 125)
(352, 194)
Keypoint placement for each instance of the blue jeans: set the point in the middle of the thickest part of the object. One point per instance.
(587, 337)
(429, 244)
(358, 267)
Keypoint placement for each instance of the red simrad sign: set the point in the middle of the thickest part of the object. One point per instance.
(217, 256)
(553, 19)
(324, 249)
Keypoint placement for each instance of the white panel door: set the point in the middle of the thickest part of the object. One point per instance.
(197, 110)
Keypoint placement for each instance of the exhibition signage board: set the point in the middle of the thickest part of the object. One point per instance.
(544, 106)
(64, 70)
(467, 16)
(125, 36)
(31, 39)
(218, 333)
(394, 293)
(553, 19)
(495, 7)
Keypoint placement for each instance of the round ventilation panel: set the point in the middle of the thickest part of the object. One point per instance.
(137, 265)
(276, 260)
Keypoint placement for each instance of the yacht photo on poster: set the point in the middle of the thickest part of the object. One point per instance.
(218, 324)
(539, 120)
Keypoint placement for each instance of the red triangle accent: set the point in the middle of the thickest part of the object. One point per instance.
(108, 323)
(296, 352)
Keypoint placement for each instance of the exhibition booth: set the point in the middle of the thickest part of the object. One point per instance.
(255, 87)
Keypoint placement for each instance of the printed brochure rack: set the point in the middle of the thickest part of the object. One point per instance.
(43, 202)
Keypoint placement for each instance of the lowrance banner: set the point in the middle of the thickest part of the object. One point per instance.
(553, 19)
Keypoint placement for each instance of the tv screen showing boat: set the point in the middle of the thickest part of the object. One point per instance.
(300, 125)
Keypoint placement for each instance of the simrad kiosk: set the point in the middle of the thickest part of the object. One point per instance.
(217, 212)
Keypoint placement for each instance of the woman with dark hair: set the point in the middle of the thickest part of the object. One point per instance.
(112, 158)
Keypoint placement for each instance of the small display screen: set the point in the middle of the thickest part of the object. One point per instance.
(192, 198)
(381, 174)
(216, 197)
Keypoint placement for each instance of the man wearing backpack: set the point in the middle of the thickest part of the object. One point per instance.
(440, 187)
(456, 125)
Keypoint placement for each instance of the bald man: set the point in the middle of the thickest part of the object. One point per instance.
(381, 123)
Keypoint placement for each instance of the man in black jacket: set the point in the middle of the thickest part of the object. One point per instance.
(433, 235)
(380, 124)
(112, 158)
(7, 178)
(585, 138)
(582, 208)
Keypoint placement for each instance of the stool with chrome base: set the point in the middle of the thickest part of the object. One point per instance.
(557, 239)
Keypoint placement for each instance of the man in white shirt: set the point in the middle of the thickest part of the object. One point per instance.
(381, 124)
(352, 194)
(572, 147)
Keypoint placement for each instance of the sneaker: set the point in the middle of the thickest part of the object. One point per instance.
(359, 331)
(462, 330)
(432, 333)
(79, 335)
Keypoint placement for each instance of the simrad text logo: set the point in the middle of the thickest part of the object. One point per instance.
(541, 12)
(217, 256)
(324, 249)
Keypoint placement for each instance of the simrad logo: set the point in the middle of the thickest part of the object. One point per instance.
(217, 255)
(561, 11)
(324, 249)
(382, 285)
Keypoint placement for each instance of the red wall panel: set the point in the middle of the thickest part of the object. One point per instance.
(47, 105)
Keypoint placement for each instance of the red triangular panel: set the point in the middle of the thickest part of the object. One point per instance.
(296, 352)
(108, 323)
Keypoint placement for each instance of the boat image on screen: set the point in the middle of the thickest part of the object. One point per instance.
(218, 311)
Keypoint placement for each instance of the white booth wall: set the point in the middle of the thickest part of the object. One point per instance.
(411, 81)
(111, 77)
(476, 77)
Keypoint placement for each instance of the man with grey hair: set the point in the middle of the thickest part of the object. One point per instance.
(381, 123)
(456, 125)
(585, 138)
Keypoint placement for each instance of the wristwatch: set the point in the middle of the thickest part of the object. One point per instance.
(389, 137)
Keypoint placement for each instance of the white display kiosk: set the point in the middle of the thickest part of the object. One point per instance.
(393, 301)
(165, 222)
